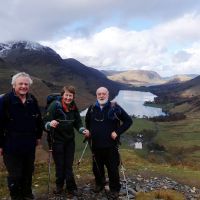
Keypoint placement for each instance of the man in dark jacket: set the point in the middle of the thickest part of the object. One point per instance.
(20, 131)
(106, 121)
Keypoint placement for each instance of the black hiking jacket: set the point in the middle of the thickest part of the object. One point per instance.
(67, 122)
(20, 124)
(102, 122)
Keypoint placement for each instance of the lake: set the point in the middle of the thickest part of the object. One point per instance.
(133, 103)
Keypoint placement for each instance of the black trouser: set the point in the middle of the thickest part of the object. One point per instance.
(63, 155)
(110, 158)
(20, 168)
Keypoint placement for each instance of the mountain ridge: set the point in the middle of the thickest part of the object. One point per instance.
(51, 73)
(145, 77)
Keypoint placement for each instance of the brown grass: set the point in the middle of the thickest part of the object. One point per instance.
(160, 194)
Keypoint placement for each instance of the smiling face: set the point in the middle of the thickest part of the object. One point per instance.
(21, 86)
(68, 97)
(102, 95)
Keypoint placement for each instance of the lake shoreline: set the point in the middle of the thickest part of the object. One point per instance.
(133, 102)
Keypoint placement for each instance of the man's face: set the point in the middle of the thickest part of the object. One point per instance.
(102, 95)
(21, 86)
(68, 97)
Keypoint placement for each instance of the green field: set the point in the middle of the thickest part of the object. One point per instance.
(182, 139)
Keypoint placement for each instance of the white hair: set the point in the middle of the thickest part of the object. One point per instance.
(21, 74)
(102, 88)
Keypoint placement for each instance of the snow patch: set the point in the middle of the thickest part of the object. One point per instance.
(28, 45)
(33, 46)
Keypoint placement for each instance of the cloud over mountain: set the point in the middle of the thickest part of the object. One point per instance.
(110, 34)
(151, 49)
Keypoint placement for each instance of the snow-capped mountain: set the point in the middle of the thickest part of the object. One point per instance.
(50, 71)
(6, 48)
(22, 52)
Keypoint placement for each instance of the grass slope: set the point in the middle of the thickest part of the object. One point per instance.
(180, 138)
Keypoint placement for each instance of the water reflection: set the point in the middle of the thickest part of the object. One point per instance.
(133, 103)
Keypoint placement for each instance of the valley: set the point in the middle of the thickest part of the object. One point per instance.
(171, 150)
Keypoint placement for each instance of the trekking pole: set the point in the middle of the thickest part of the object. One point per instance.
(50, 158)
(79, 161)
(123, 171)
(125, 179)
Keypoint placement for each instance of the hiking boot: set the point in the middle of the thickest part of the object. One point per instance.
(58, 191)
(29, 197)
(98, 188)
(74, 193)
(114, 195)
(16, 198)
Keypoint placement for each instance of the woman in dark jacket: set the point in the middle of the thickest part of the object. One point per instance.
(61, 119)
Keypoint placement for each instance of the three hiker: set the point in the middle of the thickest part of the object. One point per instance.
(21, 128)
(20, 131)
(106, 121)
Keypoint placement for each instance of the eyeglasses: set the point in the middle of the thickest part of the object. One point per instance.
(99, 117)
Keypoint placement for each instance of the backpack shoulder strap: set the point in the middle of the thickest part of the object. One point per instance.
(33, 97)
(113, 104)
(58, 104)
(91, 108)
(35, 101)
(115, 109)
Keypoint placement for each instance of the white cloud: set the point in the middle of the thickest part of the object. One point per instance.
(181, 56)
(44, 20)
(153, 49)
(191, 65)
(181, 30)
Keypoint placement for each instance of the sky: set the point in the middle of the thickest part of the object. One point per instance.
(157, 35)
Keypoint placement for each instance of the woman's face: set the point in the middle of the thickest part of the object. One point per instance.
(68, 97)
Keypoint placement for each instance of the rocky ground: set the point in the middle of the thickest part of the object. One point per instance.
(134, 184)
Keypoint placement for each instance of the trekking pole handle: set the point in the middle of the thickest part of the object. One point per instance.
(51, 134)
(85, 140)
(118, 140)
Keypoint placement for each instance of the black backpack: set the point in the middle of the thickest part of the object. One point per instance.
(4, 104)
(52, 97)
(50, 133)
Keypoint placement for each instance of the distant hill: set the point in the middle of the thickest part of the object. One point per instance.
(179, 78)
(186, 89)
(179, 93)
(144, 77)
(137, 77)
(111, 72)
(50, 72)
